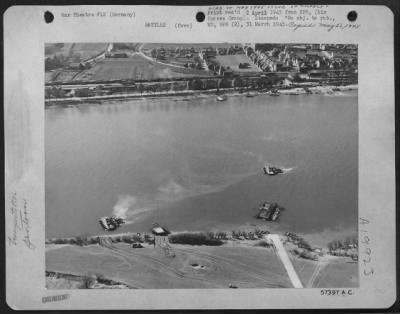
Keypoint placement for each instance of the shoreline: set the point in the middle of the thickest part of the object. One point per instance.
(296, 89)
(248, 237)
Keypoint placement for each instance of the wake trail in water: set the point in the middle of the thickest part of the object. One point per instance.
(172, 188)
(128, 208)
(286, 170)
(266, 163)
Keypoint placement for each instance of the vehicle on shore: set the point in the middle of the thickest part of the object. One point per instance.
(111, 223)
(250, 95)
(221, 98)
(272, 171)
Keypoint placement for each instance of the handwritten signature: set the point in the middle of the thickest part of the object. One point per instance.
(20, 223)
(334, 26)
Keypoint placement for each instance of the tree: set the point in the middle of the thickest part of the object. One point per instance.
(82, 92)
(82, 240)
(211, 84)
(211, 235)
(225, 83)
(196, 84)
(140, 87)
(156, 87)
(237, 82)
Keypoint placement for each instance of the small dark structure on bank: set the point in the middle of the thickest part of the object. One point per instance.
(159, 231)
(161, 239)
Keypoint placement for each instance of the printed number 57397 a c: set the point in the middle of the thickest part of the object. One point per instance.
(336, 292)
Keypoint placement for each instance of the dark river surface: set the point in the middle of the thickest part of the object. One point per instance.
(198, 164)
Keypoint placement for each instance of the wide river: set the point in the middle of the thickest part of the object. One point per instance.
(197, 164)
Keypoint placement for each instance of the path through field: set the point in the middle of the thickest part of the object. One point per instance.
(191, 267)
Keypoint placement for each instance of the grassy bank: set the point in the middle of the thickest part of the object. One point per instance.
(56, 280)
(297, 245)
(294, 90)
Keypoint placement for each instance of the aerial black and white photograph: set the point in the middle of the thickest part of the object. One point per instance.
(201, 165)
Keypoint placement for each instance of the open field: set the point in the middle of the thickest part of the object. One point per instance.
(193, 266)
(88, 50)
(83, 50)
(338, 274)
(65, 76)
(233, 61)
(52, 50)
(238, 264)
(137, 68)
(334, 272)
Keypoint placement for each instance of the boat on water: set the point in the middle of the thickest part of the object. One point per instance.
(274, 93)
(111, 223)
(221, 98)
(272, 171)
(269, 211)
(276, 213)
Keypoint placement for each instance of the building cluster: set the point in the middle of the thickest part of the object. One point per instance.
(302, 58)
(161, 53)
(198, 58)
(208, 57)
(212, 52)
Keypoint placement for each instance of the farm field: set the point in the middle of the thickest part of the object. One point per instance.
(233, 61)
(52, 50)
(240, 264)
(344, 274)
(88, 50)
(327, 272)
(306, 270)
(65, 76)
(192, 267)
(136, 67)
(82, 50)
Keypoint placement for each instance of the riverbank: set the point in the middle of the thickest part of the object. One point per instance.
(238, 264)
(57, 280)
(192, 94)
(346, 247)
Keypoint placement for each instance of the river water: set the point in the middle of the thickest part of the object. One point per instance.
(197, 164)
